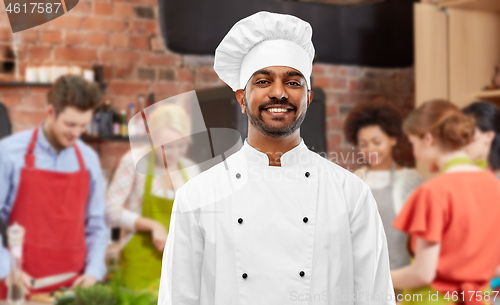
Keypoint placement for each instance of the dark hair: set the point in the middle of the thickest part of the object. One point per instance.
(487, 116)
(72, 90)
(377, 112)
(443, 120)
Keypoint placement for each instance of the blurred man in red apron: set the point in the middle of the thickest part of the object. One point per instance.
(51, 184)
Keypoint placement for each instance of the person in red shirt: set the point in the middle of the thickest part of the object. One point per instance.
(450, 217)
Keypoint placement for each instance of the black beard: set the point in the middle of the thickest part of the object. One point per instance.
(275, 132)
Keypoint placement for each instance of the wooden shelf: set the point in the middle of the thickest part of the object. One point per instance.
(24, 84)
(489, 95)
(87, 138)
(102, 86)
(483, 5)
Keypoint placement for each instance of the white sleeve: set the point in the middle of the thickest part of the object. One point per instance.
(183, 257)
(372, 277)
(128, 219)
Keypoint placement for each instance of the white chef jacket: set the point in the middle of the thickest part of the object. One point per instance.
(244, 232)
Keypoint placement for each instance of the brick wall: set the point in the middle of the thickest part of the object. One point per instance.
(124, 37)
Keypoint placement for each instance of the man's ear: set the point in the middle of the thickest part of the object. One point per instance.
(240, 96)
(310, 95)
(51, 111)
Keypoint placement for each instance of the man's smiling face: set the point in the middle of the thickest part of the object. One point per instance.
(276, 100)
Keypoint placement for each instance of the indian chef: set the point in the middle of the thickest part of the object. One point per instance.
(51, 184)
(294, 228)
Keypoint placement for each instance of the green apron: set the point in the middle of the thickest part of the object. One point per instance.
(140, 260)
(427, 294)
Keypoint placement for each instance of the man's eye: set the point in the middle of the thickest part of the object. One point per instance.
(294, 83)
(262, 82)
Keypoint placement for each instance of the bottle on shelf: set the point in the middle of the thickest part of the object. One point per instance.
(132, 128)
(124, 127)
(96, 123)
(106, 121)
(95, 127)
(151, 99)
(131, 111)
(116, 123)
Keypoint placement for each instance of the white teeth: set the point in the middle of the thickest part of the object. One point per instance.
(277, 110)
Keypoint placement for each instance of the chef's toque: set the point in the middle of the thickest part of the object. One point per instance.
(263, 40)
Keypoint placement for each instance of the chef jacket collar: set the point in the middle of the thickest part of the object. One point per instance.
(295, 157)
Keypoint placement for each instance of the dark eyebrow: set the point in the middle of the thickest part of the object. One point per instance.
(263, 71)
(294, 73)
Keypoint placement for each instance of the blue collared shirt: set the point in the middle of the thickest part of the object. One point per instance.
(12, 152)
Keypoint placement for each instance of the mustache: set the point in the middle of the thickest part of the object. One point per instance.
(283, 101)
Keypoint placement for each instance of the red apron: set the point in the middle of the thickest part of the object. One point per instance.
(51, 207)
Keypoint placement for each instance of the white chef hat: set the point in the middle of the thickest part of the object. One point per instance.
(262, 40)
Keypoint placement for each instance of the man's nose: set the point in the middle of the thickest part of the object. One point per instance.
(277, 91)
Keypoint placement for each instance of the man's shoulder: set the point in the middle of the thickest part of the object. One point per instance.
(209, 187)
(218, 174)
(348, 184)
(209, 177)
(335, 171)
(16, 144)
(215, 184)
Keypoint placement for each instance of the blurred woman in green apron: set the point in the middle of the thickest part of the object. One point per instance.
(142, 204)
(485, 146)
(450, 217)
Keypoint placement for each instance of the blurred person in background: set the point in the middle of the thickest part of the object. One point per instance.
(375, 128)
(485, 146)
(142, 204)
(450, 218)
(51, 184)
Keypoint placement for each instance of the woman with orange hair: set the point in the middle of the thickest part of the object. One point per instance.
(450, 217)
